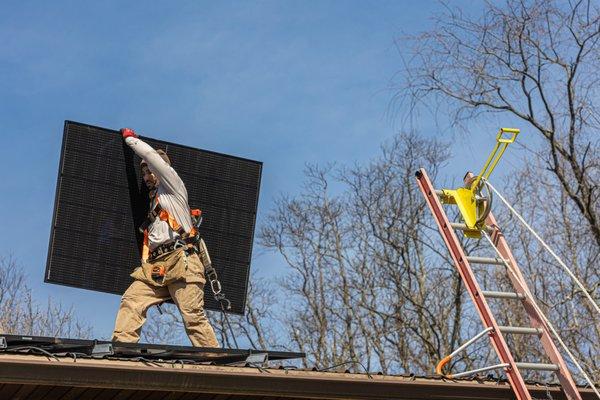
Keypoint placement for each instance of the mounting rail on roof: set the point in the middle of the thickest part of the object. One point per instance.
(106, 349)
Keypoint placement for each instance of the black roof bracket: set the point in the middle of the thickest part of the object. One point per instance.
(102, 349)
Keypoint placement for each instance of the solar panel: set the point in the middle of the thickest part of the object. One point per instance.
(101, 201)
(158, 352)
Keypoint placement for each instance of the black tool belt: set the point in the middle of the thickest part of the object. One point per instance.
(189, 243)
(166, 248)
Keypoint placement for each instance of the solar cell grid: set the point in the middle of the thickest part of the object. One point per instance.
(214, 166)
(101, 200)
(232, 221)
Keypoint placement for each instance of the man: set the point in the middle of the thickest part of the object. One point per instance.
(170, 268)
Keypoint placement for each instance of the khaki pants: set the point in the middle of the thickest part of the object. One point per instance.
(188, 295)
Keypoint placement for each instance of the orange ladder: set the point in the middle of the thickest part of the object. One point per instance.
(463, 262)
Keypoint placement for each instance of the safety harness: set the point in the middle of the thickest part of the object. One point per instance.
(156, 211)
(191, 240)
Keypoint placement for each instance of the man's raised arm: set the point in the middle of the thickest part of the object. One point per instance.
(155, 162)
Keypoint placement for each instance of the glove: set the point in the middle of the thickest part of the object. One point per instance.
(126, 132)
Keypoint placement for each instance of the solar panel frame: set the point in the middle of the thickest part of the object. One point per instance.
(89, 210)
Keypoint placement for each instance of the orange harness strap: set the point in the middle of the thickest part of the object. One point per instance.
(165, 216)
(173, 224)
(145, 247)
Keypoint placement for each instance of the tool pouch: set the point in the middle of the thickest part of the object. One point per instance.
(158, 273)
(163, 270)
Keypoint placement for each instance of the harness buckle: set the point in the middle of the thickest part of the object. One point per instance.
(215, 286)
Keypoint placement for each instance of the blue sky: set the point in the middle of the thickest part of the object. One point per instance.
(283, 82)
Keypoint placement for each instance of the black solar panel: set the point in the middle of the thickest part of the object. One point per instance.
(101, 200)
(58, 347)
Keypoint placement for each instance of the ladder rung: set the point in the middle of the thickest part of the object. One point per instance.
(503, 295)
(485, 260)
(536, 366)
(521, 330)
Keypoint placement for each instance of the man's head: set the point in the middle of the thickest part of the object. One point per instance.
(150, 179)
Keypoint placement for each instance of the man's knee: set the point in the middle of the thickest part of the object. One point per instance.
(138, 298)
(191, 311)
(131, 303)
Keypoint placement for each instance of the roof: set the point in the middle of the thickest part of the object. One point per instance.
(28, 376)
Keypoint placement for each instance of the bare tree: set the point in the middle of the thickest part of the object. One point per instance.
(565, 229)
(534, 60)
(20, 314)
(164, 326)
(370, 286)
(537, 62)
(255, 329)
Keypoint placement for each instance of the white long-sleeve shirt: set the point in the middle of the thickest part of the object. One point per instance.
(171, 192)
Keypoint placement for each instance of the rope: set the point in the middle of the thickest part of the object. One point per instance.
(556, 257)
(227, 322)
(550, 326)
(530, 295)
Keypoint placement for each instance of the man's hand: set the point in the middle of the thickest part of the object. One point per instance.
(126, 132)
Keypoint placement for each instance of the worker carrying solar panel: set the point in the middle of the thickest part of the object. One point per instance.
(171, 267)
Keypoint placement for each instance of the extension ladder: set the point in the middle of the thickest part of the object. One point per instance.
(480, 298)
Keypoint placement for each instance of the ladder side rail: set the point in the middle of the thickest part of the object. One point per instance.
(519, 283)
(468, 277)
